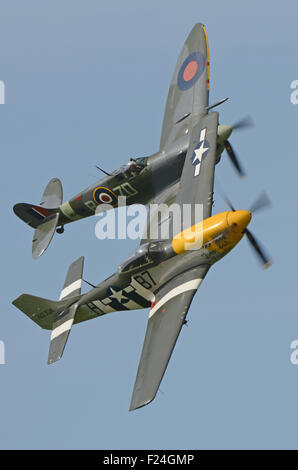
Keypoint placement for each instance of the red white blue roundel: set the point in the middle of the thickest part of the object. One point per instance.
(191, 70)
(103, 195)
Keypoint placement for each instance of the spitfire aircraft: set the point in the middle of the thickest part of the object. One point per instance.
(164, 273)
(143, 179)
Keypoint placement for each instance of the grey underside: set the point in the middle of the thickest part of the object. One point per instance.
(189, 190)
(163, 329)
(43, 234)
(74, 273)
(182, 102)
(164, 326)
(57, 344)
(199, 189)
(52, 195)
(63, 320)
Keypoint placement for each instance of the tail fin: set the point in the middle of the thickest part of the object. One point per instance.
(56, 315)
(41, 311)
(43, 218)
(31, 214)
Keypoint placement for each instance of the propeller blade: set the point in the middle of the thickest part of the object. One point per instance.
(266, 261)
(243, 123)
(224, 196)
(262, 202)
(233, 158)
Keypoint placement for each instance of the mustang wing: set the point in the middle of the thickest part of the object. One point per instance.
(196, 183)
(195, 187)
(166, 318)
(189, 89)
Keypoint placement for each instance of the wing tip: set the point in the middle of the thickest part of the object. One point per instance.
(135, 405)
(52, 360)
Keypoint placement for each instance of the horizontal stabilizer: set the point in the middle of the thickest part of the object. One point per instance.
(73, 281)
(32, 215)
(57, 316)
(63, 321)
(43, 235)
(42, 311)
(61, 329)
(53, 194)
(43, 218)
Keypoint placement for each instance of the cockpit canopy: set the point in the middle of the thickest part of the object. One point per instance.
(147, 255)
(132, 168)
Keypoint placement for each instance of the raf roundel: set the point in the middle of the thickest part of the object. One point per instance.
(191, 70)
(103, 195)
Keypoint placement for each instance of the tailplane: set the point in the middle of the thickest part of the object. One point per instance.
(63, 321)
(43, 218)
(57, 316)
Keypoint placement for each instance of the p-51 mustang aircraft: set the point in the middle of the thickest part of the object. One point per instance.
(141, 180)
(163, 274)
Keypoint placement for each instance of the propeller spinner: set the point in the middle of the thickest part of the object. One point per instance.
(260, 203)
(224, 133)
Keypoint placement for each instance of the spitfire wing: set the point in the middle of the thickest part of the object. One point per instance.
(189, 89)
(166, 318)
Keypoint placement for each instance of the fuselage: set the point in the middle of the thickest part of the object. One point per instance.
(202, 244)
(139, 181)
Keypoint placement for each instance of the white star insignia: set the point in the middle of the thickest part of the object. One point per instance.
(118, 295)
(200, 152)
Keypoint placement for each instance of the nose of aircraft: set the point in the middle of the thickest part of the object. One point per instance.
(223, 133)
(240, 218)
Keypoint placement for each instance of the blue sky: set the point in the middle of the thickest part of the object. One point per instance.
(86, 84)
